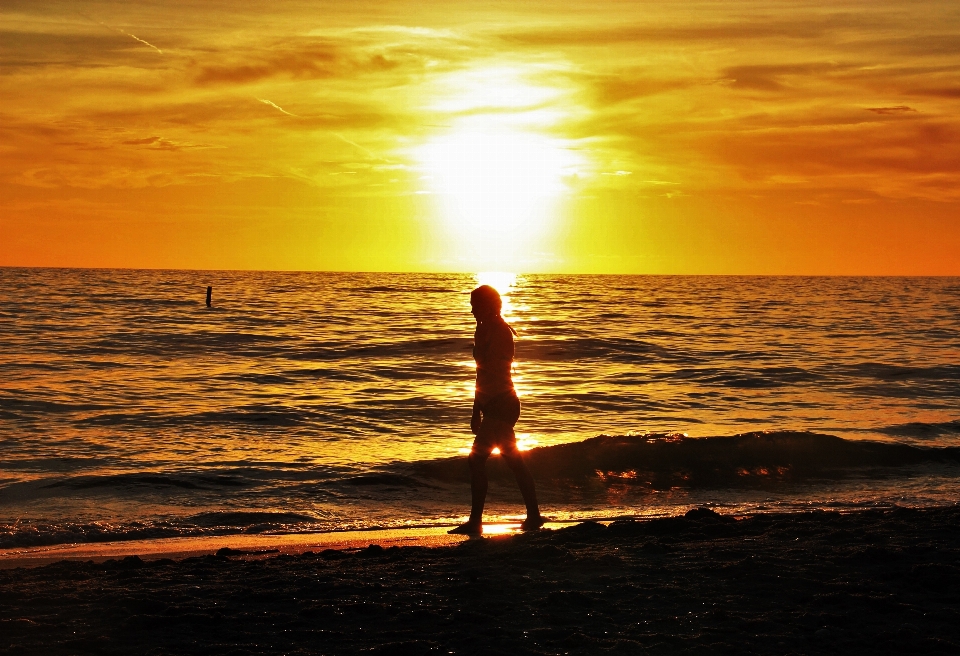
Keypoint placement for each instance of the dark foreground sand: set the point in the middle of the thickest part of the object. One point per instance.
(868, 582)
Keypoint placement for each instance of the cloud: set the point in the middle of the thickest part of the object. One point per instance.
(141, 142)
(366, 151)
(924, 43)
(898, 109)
(771, 77)
(941, 92)
(306, 61)
(159, 143)
(31, 49)
(616, 87)
(719, 96)
(680, 28)
(277, 107)
(136, 38)
(317, 61)
(897, 159)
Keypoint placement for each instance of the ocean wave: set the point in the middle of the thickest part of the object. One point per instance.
(15, 407)
(153, 480)
(247, 519)
(39, 533)
(591, 469)
(366, 414)
(891, 372)
(665, 461)
(919, 429)
(406, 289)
(265, 416)
(394, 480)
(136, 403)
(217, 476)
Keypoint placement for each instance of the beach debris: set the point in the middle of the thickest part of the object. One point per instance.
(371, 550)
(227, 551)
(334, 554)
(701, 514)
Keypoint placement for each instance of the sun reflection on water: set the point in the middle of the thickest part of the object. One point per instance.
(504, 282)
(525, 442)
(500, 529)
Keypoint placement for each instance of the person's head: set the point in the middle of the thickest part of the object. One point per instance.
(485, 302)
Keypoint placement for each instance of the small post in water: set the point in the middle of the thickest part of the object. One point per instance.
(209, 294)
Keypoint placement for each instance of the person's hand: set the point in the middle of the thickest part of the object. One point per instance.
(475, 420)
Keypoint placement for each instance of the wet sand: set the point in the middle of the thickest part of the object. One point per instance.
(866, 582)
(257, 544)
(260, 544)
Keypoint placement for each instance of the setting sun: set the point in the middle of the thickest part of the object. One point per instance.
(593, 138)
(496, 172)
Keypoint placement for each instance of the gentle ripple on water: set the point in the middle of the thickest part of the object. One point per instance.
(294, 379)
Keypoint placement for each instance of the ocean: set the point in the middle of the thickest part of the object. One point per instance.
(324, 401)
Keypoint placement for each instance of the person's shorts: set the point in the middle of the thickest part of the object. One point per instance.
(502, 409)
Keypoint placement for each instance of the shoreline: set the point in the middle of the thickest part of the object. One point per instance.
(259, 544)
(863, 582)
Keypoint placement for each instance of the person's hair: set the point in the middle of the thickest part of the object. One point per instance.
(486, 296)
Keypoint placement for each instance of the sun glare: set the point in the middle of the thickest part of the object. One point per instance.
(497, 172)
(502, 281)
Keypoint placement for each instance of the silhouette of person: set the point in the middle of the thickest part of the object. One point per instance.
(496, 410)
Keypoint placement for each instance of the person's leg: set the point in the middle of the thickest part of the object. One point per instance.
(478, 488)
(478, 483)
(516, 462)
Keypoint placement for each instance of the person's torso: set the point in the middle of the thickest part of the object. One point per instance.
(493, 351)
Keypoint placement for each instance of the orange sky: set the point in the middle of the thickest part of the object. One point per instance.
(682, 137)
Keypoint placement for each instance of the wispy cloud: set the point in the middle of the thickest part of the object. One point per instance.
(898, 109)
(678, 29)
(306, 59)
(123, 32)
(276, 106)
(358, 146)
(159, 143)
(146, 43)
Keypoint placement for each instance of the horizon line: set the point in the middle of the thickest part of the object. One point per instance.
(472, 273)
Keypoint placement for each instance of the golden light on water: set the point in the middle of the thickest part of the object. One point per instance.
(500, 529)
(504, 282)
(525, 442)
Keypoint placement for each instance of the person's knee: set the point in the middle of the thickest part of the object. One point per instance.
(514, 460)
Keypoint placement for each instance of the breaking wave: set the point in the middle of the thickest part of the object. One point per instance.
(757, 460)
(746, 460)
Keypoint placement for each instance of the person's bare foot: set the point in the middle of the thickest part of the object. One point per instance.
(532, 523)
(470, 528)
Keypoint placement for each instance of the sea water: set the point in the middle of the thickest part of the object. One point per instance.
(317, 401)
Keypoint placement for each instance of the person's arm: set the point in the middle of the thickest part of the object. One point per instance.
(475, 419)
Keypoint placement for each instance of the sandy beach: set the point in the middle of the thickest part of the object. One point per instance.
(820, 582)
(266, 544)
